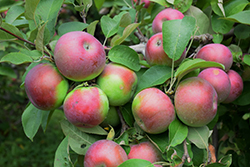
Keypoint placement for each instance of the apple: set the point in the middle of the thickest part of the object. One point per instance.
(195, 102)
(217, 53)
(153, 110)
(45, 87)
(155, 54)
(118, 83)
(146, 3)
(145, 150)
(105, 153)
(164, 15)
(79, 56)
(86, 106)
(112, 118)
(219, 80)
(236, 86)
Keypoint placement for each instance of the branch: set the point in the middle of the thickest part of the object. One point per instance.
(24, 40)
(185, 155)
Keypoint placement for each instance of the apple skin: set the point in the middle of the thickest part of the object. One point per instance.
(112, 118)
(153, 110)
(79, 56)
(118, 83)
(145, 150)
(217, 53)
(219, 80)
(104, 153)
(236, 86)
(45, 87)
(195, 102)
(155, 54)
(164, 15)
(147, 3)
(86, 106)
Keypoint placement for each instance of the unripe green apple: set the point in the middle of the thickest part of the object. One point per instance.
(112, 118)
(79, 56)
(86, 106)
(153, 110)
(195, 102)
(118, 83)
(104, 153)
(45, 87)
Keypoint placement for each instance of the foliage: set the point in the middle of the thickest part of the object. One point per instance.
(30, 30)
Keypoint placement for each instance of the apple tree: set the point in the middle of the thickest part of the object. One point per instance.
(141, 82)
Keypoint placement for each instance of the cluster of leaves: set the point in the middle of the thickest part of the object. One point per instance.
(33, 27)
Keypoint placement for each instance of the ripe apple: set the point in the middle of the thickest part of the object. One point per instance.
(86, 106)
(45, 87)
(105, 153)
(145, 150)
(118, 83)
(112, 118)
(164, 15)
(147, 3)
(153, 110)
(219, 80)
(217, 53)
(195, 102)
(155, 54)
(236, 86)
(79, 56)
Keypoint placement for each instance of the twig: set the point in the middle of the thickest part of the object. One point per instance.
(185, 155)
(124, 124)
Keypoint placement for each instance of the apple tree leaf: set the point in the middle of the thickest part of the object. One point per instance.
(137, 163)
(177, 133)
(13, 13)
(235, 6)
(30, 9)
(71, 26)
(182, 5)
(7, 71)
(199, 136)
(16, 58)
(160, 140)
(241, 17)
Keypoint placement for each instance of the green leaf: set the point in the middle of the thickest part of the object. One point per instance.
(125, 20)
(126, 56)
(221, 25)
(242, 31)
(13, 13)
(199, 136)
(127, 114)
(235, 6)
(31, 120)
(246, 59)
(160, 140)
(45, 119)
(177, 133)
(71, 26)
(78, 146)
(202, 21)
(94, 130)
(98, 4)
(127, 31)
(16, 58)
(40, 38)
(155, 75)
(109, 26)
(6, 36)
(62, 154)
(217, 38)
(91, 27)
(136, 163)
(217, 6)
(161, 2)
(241, 17)
(190, 65)
(182, 5)
(7, 71)
(30, 8)
(176, 35)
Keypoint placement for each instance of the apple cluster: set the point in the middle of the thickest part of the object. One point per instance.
(80, 57)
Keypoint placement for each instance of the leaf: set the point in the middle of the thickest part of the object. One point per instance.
(30, 8)
(191, 65)
(241, 17)
(242, 31)
(177, 133)
(235, 6)
(127, 31)
(109, 26)
(6, 36)
(62, 154)
(176, 35)
(126, 56)
(136, 163)
(45, 119)
(155, 75)
(13, 13)
(199, 136)
(111, 134)
(71, 26)
(78, 146)
(221, 25)
(94, 130)
(217, 6)
(182, 5)
(91, 27)
(40, 38)
(98, 4)
(16, 58)
(160, 140)
(217, 38)
(161, 2)
(31, 120)
(7, 71)
(125, 20)
(127, 114)
(246, 59)
(202, 21)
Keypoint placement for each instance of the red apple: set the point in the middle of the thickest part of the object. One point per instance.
(164, 15)
(104, 153)
(217, 53)
(155, 54)
(79, 56)
(118, 83)
(195, 102)
(45, 87)
(86, 106)
(145, 150)
(219, 80)
(153, 110)
(236, 86)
